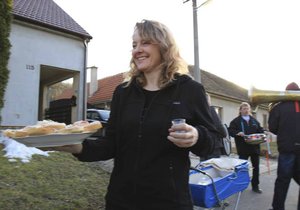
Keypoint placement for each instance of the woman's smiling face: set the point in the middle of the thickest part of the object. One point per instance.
(145, 53)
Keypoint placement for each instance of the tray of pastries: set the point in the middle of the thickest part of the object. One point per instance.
(256, 138)
(49, 133)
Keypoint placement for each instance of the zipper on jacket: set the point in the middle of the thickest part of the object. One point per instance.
(172, 178)
(139, 142)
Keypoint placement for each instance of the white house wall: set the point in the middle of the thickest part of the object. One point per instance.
(30, 49)
(231, 110)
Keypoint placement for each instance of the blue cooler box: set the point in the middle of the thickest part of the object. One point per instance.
(227, 183)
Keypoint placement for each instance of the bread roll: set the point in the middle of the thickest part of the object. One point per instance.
(19, 133)
(81, 123)
(51, 124)
(71, 129)
(37, 130)
(93, 126)
(8, 133)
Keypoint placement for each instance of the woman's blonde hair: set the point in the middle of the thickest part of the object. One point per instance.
(172, 62)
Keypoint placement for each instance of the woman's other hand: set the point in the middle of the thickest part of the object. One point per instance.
(73, 148)
(183, 135)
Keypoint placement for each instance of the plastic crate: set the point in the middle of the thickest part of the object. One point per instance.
(226, 184)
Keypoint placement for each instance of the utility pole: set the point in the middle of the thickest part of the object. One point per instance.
(197, 73)
(197, 70)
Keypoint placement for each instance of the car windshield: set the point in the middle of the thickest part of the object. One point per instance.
(105, 114)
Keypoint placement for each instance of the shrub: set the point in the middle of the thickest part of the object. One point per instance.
(5, 21)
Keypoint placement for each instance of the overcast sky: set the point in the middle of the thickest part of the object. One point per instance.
(249, 42)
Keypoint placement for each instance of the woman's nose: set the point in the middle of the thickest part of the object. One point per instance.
(138, 48)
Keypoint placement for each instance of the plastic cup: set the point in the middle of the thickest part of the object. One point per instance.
(178, 121)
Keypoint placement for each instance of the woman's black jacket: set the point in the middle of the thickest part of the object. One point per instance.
(237, 125)
(150, 172)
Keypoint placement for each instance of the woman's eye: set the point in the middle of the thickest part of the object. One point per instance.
(146, 42)
(142, 43)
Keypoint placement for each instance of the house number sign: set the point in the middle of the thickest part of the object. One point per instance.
(30, 67)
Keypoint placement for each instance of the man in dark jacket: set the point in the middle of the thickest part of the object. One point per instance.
(243, 125)
(284, 121)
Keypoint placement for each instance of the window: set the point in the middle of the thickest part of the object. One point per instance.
(265, 121)
(219, 111)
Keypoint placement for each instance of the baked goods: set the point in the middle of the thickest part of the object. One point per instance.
(19, 133)
(93, 126)
(38, 130)
(71, 129)
(87, 126)
(47, 127)
(81, 123)
(51, 124)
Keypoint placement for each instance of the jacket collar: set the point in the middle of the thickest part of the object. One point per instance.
(178, 79)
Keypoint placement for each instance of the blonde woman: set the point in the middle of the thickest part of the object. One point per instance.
(151, 158)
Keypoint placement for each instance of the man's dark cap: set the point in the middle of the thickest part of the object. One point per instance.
(292, 86)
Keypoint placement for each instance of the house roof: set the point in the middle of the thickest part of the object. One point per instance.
(106, 87)
(48, 14)
(212, 84)
(219, 86)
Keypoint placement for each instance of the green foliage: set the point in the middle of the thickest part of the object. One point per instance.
(5, 21)
(58, 88)
(55, 182)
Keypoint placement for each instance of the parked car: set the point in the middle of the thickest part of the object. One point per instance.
(98, 115)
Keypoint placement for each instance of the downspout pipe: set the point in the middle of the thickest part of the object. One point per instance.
(84, 107)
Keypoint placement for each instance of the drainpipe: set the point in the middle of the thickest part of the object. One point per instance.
(84, 107)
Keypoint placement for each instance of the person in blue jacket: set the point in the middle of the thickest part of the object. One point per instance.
(240, 126)
(151, 156)
(284, 121)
